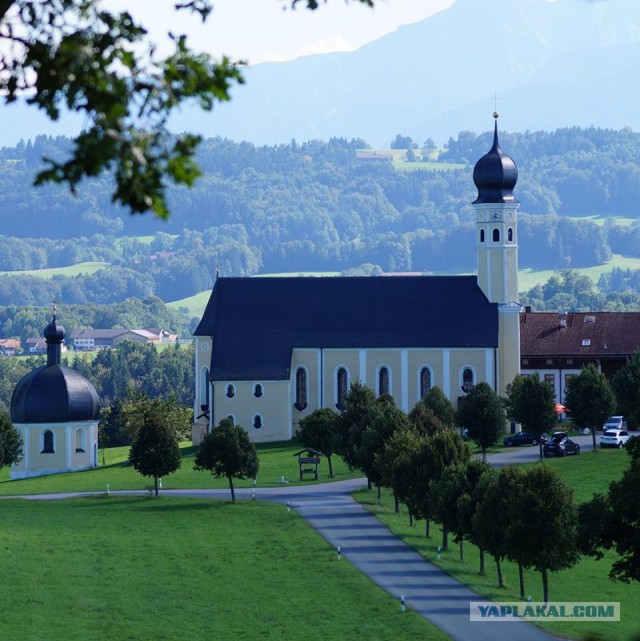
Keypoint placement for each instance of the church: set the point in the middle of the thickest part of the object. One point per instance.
(269, 351)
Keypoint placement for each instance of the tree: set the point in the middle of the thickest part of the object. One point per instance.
(10, 442)
(228, 451)
(590, 399)
(155, 451)
(482, 413)
(403, 142)
(543, 517)
(530, 402)
(613, 520)
(492, 521)
(101, 64)
(321, 431)
(626, 385)
(138, 405)
(440, 405)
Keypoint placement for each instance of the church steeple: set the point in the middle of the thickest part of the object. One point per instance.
(495, 176)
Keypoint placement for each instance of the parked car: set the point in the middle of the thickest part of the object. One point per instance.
(560, 445)
(523, 438)
(614, 438)
(615, 423)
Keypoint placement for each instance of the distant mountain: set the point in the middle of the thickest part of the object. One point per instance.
(551, 63)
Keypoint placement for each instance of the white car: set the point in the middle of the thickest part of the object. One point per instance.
(614, 438)
(615, 423)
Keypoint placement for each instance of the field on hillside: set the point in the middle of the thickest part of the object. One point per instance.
(587, 581)
(170, 569)
(71, 270)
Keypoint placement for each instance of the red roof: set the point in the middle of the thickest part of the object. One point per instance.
(579, 334)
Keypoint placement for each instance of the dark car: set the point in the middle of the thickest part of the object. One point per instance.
(560, 445)
(522, 438)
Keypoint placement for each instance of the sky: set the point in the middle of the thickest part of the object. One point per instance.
(261, 30)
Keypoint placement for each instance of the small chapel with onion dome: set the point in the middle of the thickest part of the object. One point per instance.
(55, 410)
(271, 350)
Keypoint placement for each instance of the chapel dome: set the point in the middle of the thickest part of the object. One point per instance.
(495, 174)
(54, 393)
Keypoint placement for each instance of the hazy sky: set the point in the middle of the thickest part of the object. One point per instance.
(260, 30)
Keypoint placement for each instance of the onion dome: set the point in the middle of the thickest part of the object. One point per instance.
(54, 393)
(54, 332)
(495, 174)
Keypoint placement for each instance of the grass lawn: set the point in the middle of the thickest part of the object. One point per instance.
(528, 278)
(71, 270)
(276, 461)
(587, 581)
(166, 569)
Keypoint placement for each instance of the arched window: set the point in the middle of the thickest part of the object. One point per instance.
(384, 381)
(257, 421)
(230, 391)
(80, 440)
(232, 418)
(482, 235)
(496, 235)
(204, 388)
(467, 379)
(48, 443)
(342, 386)
(301, 389)
(425, 381)
(257, 390)
(510, 234)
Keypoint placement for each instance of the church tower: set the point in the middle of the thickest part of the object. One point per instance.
(495, 175)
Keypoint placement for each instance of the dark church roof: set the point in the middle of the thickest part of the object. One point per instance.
(53, 393)
(257, 322)
(495, 174)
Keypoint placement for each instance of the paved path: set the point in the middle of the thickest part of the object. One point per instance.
(375, 551)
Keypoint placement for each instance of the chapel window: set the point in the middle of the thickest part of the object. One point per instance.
(496, 235)
(230, 391)
(47, 443)
(482, 235)
(425, 381)
(467, 379)
(383, 381)
(301, 389)
(342, 383)
(510, 235)
(257, 390)
(257, 421)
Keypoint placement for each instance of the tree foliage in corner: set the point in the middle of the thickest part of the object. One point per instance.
(155, 451)
(228, 451)
(10, 441)
(77, 55)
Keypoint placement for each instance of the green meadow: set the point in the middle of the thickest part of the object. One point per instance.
(138, 569)
(587, 581)
(89, 267)
(277, 461)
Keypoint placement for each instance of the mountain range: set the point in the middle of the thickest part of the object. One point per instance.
(545, 64)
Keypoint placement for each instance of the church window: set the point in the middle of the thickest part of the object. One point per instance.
(496, 235)
(230, 391)
(482, 235)
(424, 381)
(48, 443)
(80, 437)
(257, 421)
(468, 379)
(204, 388)
(342, 386)
(232, 418)
(384, 381)
(301, 389)
(510, 235)
(257, 390)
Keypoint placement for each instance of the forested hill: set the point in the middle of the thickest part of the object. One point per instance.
(315, 206)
